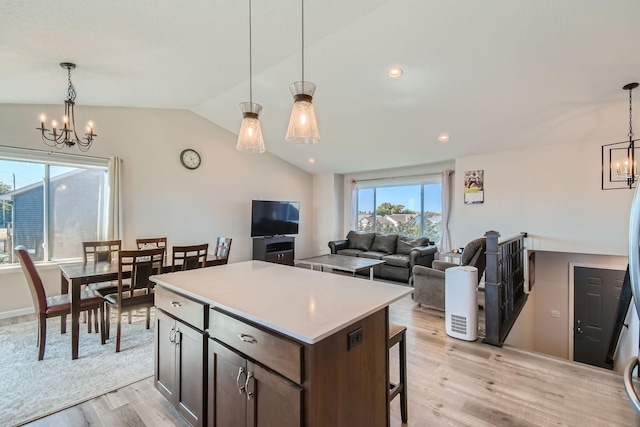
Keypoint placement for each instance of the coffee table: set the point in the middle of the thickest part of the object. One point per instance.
(342, 263)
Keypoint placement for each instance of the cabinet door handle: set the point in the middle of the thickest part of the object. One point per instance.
(175, 304)
(176, 337)
(247, 338)
(241, 387)
(246, 386)
(172, 340)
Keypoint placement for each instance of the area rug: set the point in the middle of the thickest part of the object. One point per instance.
(30, 389)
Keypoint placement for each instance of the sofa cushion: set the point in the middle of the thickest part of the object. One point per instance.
(384, 243)
(372, 255)
(360, 240)
(396, 260)
(350, 252)
(406, 243)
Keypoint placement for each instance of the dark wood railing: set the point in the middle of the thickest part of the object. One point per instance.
(504, 285)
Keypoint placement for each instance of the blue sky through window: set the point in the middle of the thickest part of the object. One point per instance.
(403, 195)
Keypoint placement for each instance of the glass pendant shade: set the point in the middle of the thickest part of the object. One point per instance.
(303, 128)
(250, 136)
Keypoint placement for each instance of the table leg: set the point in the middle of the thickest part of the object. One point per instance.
(64, 289)
(75, 317)
(371, 273)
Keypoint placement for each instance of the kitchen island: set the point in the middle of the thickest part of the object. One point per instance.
(256, 343)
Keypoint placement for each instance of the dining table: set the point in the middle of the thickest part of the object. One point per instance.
(73, 276)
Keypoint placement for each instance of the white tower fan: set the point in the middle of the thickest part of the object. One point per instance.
(461, 302)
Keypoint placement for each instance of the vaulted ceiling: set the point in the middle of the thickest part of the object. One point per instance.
(494, 74)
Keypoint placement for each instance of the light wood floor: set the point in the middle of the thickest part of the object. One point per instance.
(451, 383)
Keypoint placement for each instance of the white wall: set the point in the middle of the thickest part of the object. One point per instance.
(552, 192)
(160, 197)
(327, 211)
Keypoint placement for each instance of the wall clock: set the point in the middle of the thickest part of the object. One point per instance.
(190, 158)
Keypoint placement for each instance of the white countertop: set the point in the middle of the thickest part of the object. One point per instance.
(303, 304)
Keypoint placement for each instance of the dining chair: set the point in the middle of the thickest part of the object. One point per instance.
(148, 243)
(101, 251)
(142, 264)
(47, 307)
(223, 247)
(189, 257)
(154, 242)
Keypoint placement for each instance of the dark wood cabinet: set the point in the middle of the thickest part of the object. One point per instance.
(243, 393)
(277, 249)
(180, 358)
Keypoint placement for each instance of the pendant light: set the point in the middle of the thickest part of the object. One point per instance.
(250, 136)
(303, 128)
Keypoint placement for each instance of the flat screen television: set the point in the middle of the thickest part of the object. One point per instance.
(271, 218)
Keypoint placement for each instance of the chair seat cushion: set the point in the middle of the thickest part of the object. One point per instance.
(140, 297)
(350, 252)
(396, 260)
(62, 303)
(372, 255)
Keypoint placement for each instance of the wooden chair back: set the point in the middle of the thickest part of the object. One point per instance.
(142, 264)
(38, 294)
(158, 242)
(223, 247)
(189, 257)
(104, 250)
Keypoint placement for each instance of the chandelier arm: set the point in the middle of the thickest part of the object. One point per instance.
(630, 117)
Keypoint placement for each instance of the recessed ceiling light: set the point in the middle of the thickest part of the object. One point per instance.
(395, 72)
(444, 137)
(312, 160)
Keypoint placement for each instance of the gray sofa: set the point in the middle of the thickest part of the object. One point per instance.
(400, 253)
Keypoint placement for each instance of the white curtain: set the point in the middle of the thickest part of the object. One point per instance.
(114, 208)
(353, 197)
(447, 178)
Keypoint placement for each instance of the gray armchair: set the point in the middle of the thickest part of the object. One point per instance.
(429, 282)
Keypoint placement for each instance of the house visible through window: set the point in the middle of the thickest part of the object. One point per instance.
(411, 209)
(50, 208)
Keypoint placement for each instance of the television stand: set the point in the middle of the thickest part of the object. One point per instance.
(276, 249)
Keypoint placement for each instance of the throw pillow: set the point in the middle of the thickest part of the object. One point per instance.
(360, 240)
(384, 243)
(405, 244)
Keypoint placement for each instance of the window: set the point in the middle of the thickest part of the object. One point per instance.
(411, 209)
(50, 207)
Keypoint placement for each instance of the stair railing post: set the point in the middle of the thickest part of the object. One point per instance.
(492, 290)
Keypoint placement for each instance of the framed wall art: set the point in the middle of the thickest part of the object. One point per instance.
(474, 187)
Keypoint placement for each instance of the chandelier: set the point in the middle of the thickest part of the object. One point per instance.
(67, 136)
(621, 157)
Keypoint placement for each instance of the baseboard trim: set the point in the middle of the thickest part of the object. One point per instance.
(16, 313)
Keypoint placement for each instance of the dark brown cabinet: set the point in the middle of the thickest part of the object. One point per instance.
(244, 393)
(276, 249)
(224, 370)
(180, 361)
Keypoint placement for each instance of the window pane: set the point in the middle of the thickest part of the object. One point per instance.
(23, 210)
(398, 210)
(365, 209)
(432, 208)
(76, 201)
(72, 212)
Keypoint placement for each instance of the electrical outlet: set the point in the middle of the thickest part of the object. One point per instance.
(555, 313)
(355, 338)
